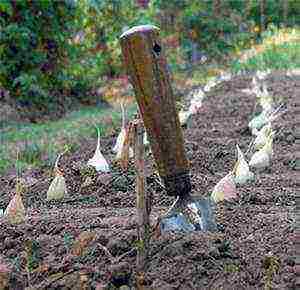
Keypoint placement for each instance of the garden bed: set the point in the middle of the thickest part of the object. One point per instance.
(252, 249)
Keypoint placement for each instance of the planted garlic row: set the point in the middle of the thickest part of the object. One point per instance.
(261, 127)
(264, 118)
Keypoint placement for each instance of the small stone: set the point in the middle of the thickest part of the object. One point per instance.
(120, 274)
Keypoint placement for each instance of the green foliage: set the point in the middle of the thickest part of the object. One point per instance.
(31, 153)
(56, 52)
(44, 141)
(276, 57)
(35, 49)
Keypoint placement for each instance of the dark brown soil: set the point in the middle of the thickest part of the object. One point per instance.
(252, 250)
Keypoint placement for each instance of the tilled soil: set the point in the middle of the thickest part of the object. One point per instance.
(253, 248)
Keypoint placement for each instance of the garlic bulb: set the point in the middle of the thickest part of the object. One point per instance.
(57, 188)
(121, 138)
(265, 99)
(15, 211)
(197, 95)
(145, 138)
(120, 143)
(242, 172)
(262, 158)
(98, 161)
(263, 118)
(184, 117)
(258, 121)
(195, 106)
(225, 189)
(262, 136)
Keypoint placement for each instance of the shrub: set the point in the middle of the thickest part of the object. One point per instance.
(35, 49)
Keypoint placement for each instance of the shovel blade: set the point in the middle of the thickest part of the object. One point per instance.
(178, 220)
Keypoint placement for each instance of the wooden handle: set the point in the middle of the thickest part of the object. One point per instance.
(147, 69)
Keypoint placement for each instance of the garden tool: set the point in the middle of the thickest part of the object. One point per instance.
(147, 68)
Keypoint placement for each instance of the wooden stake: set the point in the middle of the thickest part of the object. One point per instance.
(142, 204)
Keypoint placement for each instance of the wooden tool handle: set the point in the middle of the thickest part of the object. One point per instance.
(147, 68)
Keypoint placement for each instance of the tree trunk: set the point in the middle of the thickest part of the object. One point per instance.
(248, 5)
(217, 6)
(262, 15)
(285, 10)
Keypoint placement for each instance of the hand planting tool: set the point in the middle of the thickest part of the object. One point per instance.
(147, 68)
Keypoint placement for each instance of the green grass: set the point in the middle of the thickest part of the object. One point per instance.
(34, 142)
(281, 57)
(279, 52)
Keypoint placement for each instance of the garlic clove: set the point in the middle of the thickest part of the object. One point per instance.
(260, 160)
(57, 188)
(120, 141)
(15, 211)
(225, 189)
(262, 136)
(98, 161)
(242, 172)
(258, 121)
(145, 138)
(195, 106)
(184, 117)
